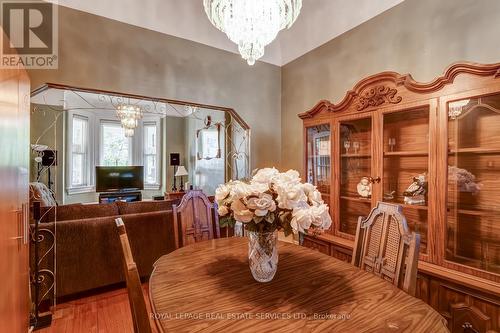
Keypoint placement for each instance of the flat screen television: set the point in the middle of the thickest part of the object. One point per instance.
(119, 178)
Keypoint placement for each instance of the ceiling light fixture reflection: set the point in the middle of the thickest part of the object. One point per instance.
(129, 116)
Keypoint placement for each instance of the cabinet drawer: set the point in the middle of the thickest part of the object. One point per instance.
(316, 244)
(341, 253)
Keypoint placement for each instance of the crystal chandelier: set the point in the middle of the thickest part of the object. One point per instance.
(252, 24)
(129, 116)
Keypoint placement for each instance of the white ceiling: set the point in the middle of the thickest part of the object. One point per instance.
(319, 22)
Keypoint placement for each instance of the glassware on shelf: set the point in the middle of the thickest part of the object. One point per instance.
(392, 144)
(356, 137)
(347, 145)
(473, 181)
(355, 145)
(405, 165)
(318, 160)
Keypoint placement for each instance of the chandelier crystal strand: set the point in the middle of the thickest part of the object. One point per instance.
(129, 116)
(252, 25)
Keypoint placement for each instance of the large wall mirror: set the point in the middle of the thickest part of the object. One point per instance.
(76, 131)
(92, 150)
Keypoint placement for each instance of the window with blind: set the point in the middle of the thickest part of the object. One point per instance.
(79, 152)
(151, 170)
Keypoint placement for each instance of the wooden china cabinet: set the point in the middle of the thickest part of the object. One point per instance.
(390, 131)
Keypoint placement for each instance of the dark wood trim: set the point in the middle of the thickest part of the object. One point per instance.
(47, 86)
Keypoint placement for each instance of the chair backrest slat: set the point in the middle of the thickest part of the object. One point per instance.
(385, 246)
(136, 298)
(194, 219)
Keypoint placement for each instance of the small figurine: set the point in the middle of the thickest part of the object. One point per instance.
(365, 187)
(415, 193)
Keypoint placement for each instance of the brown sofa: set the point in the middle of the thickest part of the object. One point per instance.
(87, 247)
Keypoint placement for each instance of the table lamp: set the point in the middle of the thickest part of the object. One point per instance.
(181, 172)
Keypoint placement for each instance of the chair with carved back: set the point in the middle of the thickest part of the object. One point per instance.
(138, 308)
(385, 246)
(194, 219)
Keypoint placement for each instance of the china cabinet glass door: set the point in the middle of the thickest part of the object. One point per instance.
(406, 166)
(473, 220)
(319, 158)
(355, 150)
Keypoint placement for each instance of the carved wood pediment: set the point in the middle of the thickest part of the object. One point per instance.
(377, 89)
(377, 96)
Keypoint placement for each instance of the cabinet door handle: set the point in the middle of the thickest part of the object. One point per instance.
(468, 328)
(26, 222)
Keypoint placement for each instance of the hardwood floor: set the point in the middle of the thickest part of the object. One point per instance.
(108, 312)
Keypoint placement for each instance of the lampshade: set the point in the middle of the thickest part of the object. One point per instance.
(181, 171)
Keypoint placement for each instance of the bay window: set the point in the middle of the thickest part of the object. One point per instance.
(97, 140)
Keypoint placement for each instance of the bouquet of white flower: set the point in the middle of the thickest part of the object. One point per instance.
(272, 201)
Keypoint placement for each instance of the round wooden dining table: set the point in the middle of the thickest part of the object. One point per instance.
(208, 287)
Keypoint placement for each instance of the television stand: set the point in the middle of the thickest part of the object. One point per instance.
(125, 196)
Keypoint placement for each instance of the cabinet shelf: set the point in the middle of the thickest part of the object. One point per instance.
(473, 212)
(356, 155)
(406, 153)
(475, 150)
(356, 199)
(416, 207)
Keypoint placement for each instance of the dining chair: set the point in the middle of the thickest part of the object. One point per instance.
(138, 308)
(385, 246)
(195, 219)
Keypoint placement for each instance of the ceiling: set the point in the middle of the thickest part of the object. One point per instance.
(319, 22)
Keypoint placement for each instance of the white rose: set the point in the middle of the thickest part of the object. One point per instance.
(312, 194)
(315, 198)
(222, 192)
(321, 217)
(308, 188)
(240, 190)
(264, 175)
(259, 188)
(290, 196)
(301, 220)
(241, 212)
(262, 205)
(304, 217)
(291, 177)
(222, 210)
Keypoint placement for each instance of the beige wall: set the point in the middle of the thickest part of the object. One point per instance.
(100, 53)
(421, 37)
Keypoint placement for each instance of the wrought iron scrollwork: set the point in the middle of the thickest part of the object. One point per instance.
(42, 276)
